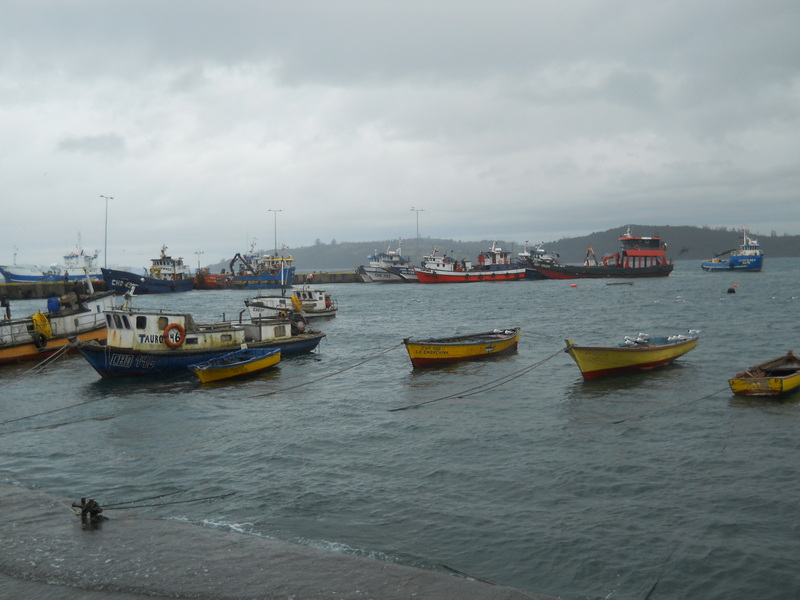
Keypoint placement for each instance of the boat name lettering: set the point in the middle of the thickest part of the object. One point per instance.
(121, 360)
(145, 362)
(150, 338)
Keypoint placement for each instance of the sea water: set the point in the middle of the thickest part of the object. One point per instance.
(512, 469)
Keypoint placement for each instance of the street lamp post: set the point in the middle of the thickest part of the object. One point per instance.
(198, 253)
(105, 242)
(417, 210)
(275, 212)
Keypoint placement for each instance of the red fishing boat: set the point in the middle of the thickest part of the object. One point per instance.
(638, 257)
(493, 265)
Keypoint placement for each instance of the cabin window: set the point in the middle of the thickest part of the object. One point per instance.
(125, 322)
(141, 322)
(162, 323)
(280, 331)
(117, 322)
(109, 321)
(191, 340)
(226, 337)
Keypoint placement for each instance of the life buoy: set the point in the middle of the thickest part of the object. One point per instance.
(179, 337)
(39, 340)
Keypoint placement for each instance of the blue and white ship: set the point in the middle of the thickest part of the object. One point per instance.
(391, 266)
(166, 275)
(749, 257)
(149, 342)
(76, 266)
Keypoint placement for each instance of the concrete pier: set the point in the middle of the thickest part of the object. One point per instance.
(46, 551)
(324, 277)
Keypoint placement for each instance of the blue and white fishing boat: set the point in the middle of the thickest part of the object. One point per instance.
(257, 272)
(166, 275)
(148, 342)
(749, 257)
(76, 265)
(391, 266)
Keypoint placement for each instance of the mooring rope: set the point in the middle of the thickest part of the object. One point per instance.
(217, 497)
(353, 366)
(484, 386)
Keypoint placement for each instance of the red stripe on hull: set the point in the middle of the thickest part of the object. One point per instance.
(618, 370)
(425, 277)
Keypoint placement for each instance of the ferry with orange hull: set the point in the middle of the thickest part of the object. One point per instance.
(638, 256)
(493, 265)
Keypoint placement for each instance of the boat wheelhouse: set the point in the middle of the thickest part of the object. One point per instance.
(638, 256)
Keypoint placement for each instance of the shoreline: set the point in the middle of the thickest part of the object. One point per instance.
(48, 552)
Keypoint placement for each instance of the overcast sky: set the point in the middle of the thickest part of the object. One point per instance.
(516, 120)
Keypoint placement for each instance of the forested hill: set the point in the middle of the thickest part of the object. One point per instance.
(683, 243)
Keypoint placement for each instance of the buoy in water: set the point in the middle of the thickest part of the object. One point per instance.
(573, 285)
(731, 290)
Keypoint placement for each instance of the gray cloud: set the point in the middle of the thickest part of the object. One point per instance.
(510, 119)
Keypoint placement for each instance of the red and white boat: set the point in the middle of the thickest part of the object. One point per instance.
(493, 265)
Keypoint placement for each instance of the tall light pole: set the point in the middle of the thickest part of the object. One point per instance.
(198, 253)
(105, 243)
(417, 210)
(275, 212)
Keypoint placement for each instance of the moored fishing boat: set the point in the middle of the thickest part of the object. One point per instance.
(493, 265)
(776, 377)
(261, 271)
(144, 342)
(76, 265)
(748, 257)
(428, 352)
(391, 266)
(241, 363)
(205, 280)
(640, 353)
(70, 318)
(638, 256)
(166, 275)
(313, 303)
(536, 256)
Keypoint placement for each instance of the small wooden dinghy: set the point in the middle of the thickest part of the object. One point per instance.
(775, 377)
(247, 361)
(634, 354)
(438, 351)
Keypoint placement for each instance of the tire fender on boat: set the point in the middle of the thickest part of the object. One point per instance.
(39, 340)
(179, 337)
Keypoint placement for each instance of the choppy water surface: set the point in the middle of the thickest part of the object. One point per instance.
(547, 483)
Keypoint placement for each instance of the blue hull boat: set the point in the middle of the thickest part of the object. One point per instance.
(125, 281)
(123, 362)
(149, 342)
(749, 257)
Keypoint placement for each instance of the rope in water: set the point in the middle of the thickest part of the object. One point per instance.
(484, 386)
(353, 366)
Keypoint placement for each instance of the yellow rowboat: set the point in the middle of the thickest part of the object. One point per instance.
(438, 351)
(247, 361)
(634, 354)
(772, 378)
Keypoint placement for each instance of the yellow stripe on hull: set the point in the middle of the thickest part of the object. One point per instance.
(765, 386)
(238, 370)
(429, 354)
(596, 361)
(24, 352)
